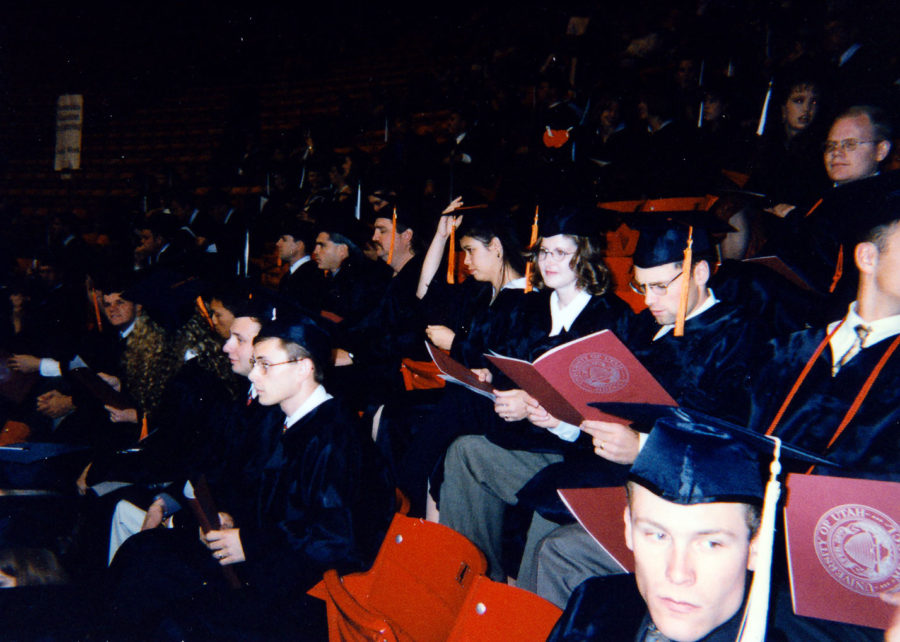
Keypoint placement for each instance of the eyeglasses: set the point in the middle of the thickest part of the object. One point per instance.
(847, 145)
(265, 366)
(659, 289)
(557, 254)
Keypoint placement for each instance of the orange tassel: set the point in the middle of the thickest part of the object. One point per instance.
(144, 430)
(393, 234)
(534, 237)
(813, 208)
(838, 270)
(205, 312)
(685, 284)
(97, 310)
(451, 257)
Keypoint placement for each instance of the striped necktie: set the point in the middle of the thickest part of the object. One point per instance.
(862, 332)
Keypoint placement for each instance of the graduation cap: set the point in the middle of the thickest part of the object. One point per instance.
(574, 220)
(112, 280)
(672, 230)
(305, 332)
(168, 297)
(864, 205)
(693, 458)
(257, 303)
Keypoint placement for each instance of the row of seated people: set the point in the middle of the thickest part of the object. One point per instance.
(180, 390)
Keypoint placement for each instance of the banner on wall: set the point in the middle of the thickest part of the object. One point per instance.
(69, 120)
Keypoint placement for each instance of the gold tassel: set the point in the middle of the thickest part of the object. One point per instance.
(97, 310)
(685, 284)
(534, 237)
(393, 234)
(205, 312)
(451, 257)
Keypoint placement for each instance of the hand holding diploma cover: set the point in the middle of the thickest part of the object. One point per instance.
(79, 372)
(594, 368)
(455, 372)
(197, 493)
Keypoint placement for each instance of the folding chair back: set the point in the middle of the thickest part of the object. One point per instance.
(414, 590)
(495, 611)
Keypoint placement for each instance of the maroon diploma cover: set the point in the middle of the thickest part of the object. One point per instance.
(843, 541)
(595, 368)
(600, 512)
(455, 372)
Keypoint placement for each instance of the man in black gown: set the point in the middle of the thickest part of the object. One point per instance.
(706, 369)
(692, 526)
(322, 500)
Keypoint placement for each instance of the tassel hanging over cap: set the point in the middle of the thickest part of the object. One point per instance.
(685, 284)
(529, 265)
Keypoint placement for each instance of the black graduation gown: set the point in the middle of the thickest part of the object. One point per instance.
(392, 330)
(768, 298)
(532, 322)
(870, 445)
(354, 291)
(322, 500)
(611, 608)
(416, 438)
(304, 286)
(192, 404)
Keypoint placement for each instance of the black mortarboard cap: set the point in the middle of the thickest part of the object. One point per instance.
(306, 333)
(686, 462)
(651, 413)
(859, 207)
(661, 244)
(575, 220)
(258, 303)
(167, 297)
(111, 280)
(664, 225)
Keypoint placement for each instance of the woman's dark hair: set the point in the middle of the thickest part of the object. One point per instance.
(484, 229)
(591, 272)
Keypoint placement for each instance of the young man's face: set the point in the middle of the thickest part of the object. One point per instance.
(664, 306)
(845, 166)
(329, 255)
(690, 561)
(275, 384)
(119, 312)
(239, 346)
(288, 248)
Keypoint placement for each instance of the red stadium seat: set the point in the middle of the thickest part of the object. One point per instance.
(496, 611)
(414, 590)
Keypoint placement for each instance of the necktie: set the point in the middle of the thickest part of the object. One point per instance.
(652, 634)
(862, 331)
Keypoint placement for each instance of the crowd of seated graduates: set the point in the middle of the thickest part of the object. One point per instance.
(277, 349)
